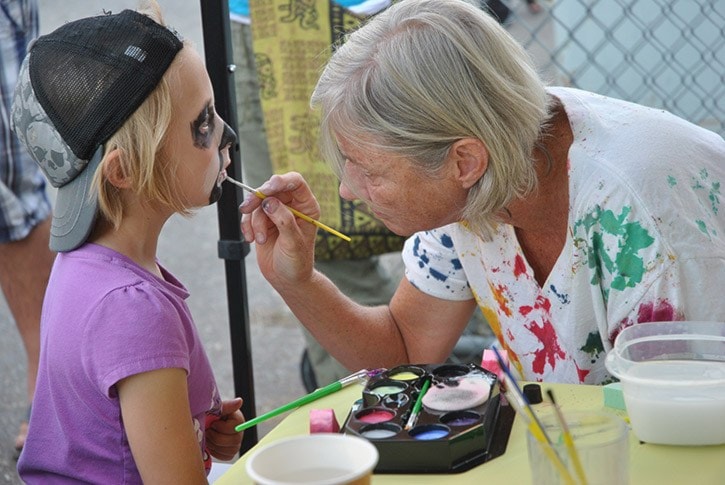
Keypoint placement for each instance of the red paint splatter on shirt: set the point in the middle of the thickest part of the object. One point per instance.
(550, 351)
(582, 373)
(545, 332)
(519, 266)
(542, 303)
(662, 311)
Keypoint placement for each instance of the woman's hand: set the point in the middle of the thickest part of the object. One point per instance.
(285, 244)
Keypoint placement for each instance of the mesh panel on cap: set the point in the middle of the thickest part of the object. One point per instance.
(92, 74)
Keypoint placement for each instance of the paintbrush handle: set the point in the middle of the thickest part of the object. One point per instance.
(319, 224)
(297, 213)
(313, 396)
(534, 425)
(418, 404)
(568, 439)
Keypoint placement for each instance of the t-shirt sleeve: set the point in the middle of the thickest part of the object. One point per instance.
(133, 329)
(432, 265)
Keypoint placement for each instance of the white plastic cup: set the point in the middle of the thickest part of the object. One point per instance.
(320, 459)
(602, 443)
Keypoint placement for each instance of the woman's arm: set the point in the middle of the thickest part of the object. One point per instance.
(157, 419)
(415, 327)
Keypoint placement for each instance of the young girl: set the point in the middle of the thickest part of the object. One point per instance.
(119, 114)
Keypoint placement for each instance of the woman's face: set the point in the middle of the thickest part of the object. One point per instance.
(199, 140)
(398, 192)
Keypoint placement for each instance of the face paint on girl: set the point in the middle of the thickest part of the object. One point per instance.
(202, 128)
(229, 138)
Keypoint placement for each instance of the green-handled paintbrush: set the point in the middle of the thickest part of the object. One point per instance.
(358, 376)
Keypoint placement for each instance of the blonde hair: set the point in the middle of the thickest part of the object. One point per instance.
(425, 73)
(140, 142)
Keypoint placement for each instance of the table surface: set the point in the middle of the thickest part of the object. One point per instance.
(649, 463)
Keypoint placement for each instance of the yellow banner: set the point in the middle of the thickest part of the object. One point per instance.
(292, 42)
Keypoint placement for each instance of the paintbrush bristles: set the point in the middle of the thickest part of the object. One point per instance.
(242, 185)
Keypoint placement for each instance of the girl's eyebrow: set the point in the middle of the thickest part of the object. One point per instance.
(205, 113)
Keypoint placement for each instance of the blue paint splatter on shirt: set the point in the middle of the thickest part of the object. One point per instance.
(562, 297)
(438, 275)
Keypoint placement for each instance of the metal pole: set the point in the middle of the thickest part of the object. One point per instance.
(218, 54)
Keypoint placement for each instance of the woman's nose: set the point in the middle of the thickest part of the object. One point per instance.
(345, 192)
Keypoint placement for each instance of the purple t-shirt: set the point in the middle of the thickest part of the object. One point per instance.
(106, 318)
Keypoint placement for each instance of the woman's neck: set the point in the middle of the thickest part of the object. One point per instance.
(540, 220)
(548, 205)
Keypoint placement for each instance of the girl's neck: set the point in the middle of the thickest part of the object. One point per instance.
(137, 238)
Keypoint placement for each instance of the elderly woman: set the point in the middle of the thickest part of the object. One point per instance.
(565, 215)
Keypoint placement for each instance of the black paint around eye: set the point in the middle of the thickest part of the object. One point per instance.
(203, 140)
(229, 138)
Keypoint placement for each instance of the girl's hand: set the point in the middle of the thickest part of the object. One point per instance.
(222, 441)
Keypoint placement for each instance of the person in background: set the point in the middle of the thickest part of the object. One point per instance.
(501, 12)
(367, 280)
(118, 112)
(25, 259)
(533, 6)
(564, 215)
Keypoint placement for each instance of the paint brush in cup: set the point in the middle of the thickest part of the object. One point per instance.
(358, 376)
(297, 213)
(568, 440)
(521, 405)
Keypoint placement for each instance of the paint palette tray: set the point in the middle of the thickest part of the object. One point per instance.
(459, 426)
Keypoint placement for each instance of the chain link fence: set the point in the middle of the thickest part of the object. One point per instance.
(667, 54)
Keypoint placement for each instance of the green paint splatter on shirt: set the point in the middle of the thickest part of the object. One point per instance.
(619, 257)
(703, 227)
(671, 181)
(712, 188)
(714, 196)
(593, 345)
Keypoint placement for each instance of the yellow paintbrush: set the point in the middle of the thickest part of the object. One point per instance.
(294, 211)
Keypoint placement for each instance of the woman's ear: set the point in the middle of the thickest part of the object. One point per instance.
(471, 158)
(113, 170)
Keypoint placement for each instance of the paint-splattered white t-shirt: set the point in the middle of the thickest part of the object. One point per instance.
(645, 242)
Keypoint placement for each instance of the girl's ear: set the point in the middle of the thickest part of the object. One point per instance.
(113, 170)
(471, 157)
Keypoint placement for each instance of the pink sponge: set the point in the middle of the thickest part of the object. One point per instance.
(323, 421)
(490, 363)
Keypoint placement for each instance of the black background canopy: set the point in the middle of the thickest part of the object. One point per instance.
(231, 248)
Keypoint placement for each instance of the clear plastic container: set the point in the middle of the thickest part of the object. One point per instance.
(673, 381)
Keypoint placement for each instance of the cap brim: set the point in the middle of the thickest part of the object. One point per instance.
(75, 209)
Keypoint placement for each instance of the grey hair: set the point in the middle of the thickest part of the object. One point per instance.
(425, 73)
